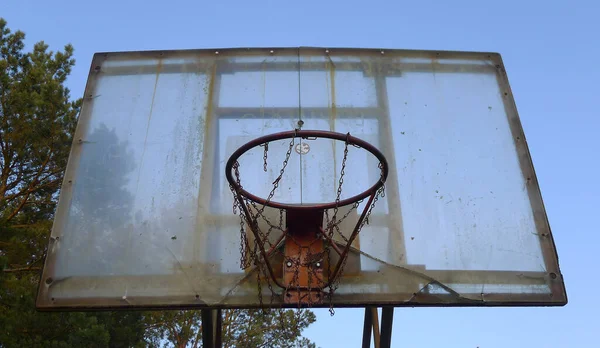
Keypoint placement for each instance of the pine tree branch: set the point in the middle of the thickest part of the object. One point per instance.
(23, 269)
(5, 171)
(33, 182)
(227, 324)
(23, 226)
(29, 192)
(198, 336)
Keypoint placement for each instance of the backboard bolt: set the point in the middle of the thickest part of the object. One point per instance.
(271, 51)
(327, 51)
(216, 52)
(300, 123)
(289, 264)
(382, 52)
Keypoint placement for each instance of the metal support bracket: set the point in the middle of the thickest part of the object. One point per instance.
(371, 325)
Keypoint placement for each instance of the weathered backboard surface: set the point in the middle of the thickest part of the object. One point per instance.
(145, 215)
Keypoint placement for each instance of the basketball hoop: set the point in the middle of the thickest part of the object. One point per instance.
(304, 243)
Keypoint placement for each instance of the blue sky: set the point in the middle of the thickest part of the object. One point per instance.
(550, 50)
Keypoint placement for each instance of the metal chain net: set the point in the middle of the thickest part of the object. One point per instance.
(251, 252)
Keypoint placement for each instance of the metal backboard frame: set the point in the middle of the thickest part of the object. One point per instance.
(62, 289)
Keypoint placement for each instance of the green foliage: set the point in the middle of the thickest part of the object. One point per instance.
(241, 328)
(125, 329)
(273, 328)
(178, 328)
(36, 124)
(22, 326)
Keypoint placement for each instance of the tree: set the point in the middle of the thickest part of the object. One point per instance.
(36, 124)
(272, 328)
(241, 328)
(37, 120)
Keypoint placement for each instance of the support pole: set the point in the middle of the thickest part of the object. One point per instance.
(211, 328)
(387, 317)
(219, 329)
(371, 327)
(367, 328)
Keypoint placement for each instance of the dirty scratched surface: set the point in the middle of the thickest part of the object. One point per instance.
(145, 215)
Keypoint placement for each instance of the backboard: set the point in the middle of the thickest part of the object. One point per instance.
(145, 214)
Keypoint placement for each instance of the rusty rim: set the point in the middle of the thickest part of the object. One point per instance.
(304, 134)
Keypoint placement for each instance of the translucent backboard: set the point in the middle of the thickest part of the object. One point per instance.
(145, 214)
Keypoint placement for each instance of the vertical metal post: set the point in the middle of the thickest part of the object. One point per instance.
(371, 327)
(207, 329)
(367, 328)
(387, 317)
(218, 329)
(211, 328)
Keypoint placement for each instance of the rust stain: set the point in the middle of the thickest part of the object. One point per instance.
(333, 112)
(333, 106)
(209, 98)
(204, 176)
(303, 264)
(264, 89)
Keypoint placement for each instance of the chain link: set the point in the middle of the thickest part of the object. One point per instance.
(330, 228)
(266, 146)
(252, 255)
(278, 179)
(335, 284)
(253, 220)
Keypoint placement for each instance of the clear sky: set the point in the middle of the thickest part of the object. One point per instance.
(550, 50)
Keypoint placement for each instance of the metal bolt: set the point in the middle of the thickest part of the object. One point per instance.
(318, 264)
(327, 51)
(382, 52)
(271, 51)
(216, 52)
(289, 264)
